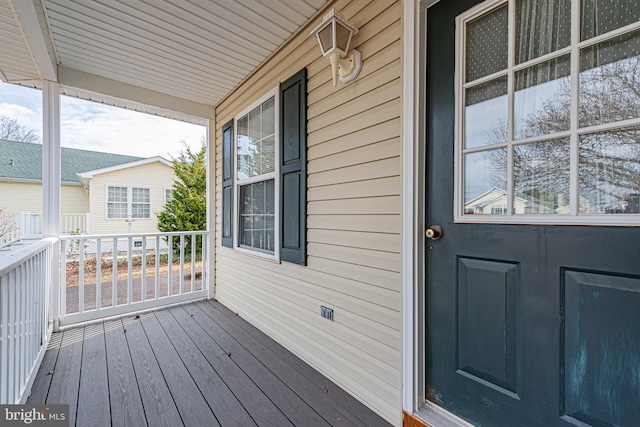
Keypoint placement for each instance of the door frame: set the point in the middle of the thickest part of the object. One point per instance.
(413, 219)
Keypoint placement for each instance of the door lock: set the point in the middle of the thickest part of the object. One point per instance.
(434, 232)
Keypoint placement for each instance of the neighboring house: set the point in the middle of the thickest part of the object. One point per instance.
(109, 187)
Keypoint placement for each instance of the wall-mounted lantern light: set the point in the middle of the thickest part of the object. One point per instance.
(334, 36)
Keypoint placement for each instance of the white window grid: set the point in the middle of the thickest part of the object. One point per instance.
(125, 201)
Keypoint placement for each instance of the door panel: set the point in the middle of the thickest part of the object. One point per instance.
(527, 325)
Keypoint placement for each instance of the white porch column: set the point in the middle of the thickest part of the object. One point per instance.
(51, 170)
(211, 206)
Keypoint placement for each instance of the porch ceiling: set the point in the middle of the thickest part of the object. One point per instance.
(193, 50)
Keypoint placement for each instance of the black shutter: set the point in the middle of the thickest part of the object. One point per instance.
(227, 184)
(293, 169)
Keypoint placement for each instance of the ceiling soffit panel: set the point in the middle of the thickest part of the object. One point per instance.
(16, 62)
(198, 50)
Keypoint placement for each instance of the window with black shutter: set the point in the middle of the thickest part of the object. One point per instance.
(269, 182)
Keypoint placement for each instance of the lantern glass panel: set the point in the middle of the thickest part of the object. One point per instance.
(343, 36)
(325, 37)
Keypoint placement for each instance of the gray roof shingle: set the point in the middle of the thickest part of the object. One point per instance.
(27, 161)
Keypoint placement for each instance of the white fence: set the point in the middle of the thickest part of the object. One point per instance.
(108, 275)
(25, 283)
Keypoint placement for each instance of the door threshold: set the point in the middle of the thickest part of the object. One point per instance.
(435, 416)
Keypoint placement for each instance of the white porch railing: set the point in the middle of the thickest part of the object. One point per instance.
(107, 275)
(25, 283)
(31, 224)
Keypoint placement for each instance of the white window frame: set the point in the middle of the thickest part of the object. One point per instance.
(129, 202)
(275, 175)
(574, 133)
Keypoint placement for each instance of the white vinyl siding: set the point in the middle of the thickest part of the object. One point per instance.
(353, 215)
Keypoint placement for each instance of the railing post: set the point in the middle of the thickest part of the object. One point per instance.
(86, 223)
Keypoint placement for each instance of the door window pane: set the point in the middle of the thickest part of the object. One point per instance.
(487, 44)
(609, 171)
(542, 99)
(601, 16)
(485, 114)
(485, 181)
(542, 26)
(541, 177)
(610, 81)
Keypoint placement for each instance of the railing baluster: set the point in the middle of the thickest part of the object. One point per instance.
(181, 264)
(13, 280)
(157, 281)
(193, 262)
(81, 276)
(129, 270)
(98, 274)
(4, 337)
(63, 278)
(170, 265)
(114, 273)
(143, 291)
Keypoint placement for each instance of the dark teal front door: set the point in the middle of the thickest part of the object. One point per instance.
(533, 290)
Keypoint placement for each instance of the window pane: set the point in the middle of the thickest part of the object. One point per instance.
(117, 194)
(542, 26)
(140, 195)
(610, 81)
(485, 181)
(485, 114)
(542, 99)
(255, 143)
(257, 214)
(268, 155)
(601, 16)
(140, 210)
(268, 117)
(254, 124)
(487, 44)
(116, 210)
(541, 181)
(609, 172)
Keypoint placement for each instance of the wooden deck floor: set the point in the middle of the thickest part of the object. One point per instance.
(195, 365)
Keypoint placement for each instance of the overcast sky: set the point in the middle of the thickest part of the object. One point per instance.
(92, 126)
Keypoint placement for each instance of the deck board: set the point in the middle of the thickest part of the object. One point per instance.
(124, 396)
(66, 376)
(194, 364)
(94, 384)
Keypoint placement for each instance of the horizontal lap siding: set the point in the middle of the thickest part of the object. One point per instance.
(354, 215)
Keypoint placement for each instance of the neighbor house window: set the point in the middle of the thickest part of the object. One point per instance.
(124, 202)
(256, 175)
(548, 112)
(264, 180)
(168, 195)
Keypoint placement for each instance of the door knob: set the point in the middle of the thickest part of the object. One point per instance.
(434, 232)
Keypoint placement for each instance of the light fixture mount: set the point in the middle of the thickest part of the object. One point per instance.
(334, 36)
